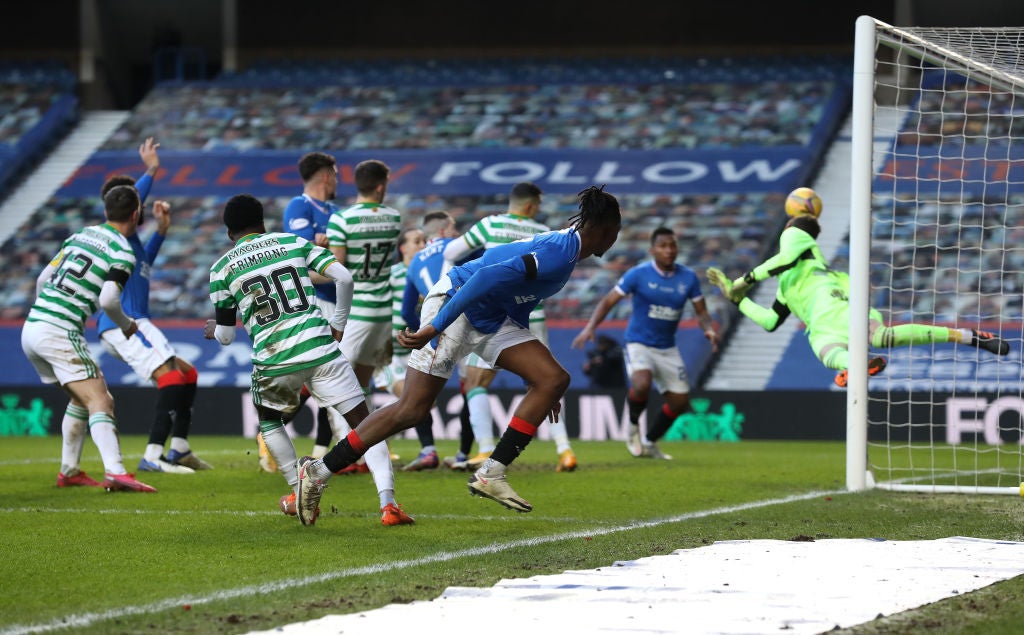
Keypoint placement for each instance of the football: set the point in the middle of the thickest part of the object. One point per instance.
(803, 200)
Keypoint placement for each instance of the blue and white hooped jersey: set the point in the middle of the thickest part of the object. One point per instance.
(658, 302)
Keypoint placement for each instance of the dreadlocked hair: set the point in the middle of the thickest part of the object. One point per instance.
(597, 207)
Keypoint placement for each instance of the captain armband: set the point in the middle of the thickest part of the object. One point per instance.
(530, 262)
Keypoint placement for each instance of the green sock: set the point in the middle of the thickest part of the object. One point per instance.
(907, 334)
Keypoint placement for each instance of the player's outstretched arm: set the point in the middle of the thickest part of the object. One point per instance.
(418, 339)
(707, 324)
(410, 300)
(768, 319)
(609, 300)
(344, 286)
(110, 302)
(735, 290)
(147, 152)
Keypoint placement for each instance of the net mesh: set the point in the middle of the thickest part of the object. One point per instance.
(947, 247)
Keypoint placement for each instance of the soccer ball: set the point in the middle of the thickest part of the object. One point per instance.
(803, 200)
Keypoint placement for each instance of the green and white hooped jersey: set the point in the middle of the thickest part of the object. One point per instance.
(368, 232)
(265, 277)
(500, 229)
(396, 285)
(72, 293)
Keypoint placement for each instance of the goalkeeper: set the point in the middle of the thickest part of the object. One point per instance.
(819, 296)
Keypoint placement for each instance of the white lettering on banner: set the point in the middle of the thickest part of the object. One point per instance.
(234, 354)
(690, 171)
(762, 169)
(560, 174)
(601, 419)
(184, 350)
(520, 171)
(988, 425)
(449, 169)
(661, 173)
(606, 174)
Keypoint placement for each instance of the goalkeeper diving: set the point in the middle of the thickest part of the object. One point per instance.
(819, 296)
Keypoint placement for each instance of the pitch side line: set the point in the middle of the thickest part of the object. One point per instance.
(252, 513)
(124, 455)
(88, 619)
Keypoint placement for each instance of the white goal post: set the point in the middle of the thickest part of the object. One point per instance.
(937, 237)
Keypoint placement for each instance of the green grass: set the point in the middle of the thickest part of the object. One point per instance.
(216, 542)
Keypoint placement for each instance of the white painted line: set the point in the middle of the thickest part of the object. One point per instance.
(88, 619)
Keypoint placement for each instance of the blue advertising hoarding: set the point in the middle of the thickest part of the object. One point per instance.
(458, 172)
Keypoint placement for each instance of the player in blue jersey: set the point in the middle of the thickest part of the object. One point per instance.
(660, 289)
(149, 354)
(484, 307)
(424, 271)
(307, 215)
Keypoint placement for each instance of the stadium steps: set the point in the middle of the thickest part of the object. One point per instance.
(92, 130)
(751, 354)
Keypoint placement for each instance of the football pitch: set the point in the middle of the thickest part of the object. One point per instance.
(211, 553)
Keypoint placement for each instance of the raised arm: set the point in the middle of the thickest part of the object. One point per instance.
(606, 304)
(707, 324)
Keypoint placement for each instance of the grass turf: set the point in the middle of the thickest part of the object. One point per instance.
(210, 553)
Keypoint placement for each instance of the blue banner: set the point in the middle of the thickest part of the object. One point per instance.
(456, 172)
(231, 365)
(995, 170)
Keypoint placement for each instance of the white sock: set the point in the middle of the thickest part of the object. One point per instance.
(387, 497)
(73, 432)
(153, 452)
(281, 448)
(319, 451)
(180, 445)
(481, 420)
(492, 468)
(561, 436)
(378, 459)
(104, 435)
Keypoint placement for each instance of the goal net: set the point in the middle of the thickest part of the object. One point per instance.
(937, 237)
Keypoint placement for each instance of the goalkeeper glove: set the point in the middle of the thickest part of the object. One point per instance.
(732, 289)
(718, 278)
(739, 288)
(735, 290)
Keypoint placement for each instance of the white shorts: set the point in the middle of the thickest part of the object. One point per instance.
(331, 384)
(145, 351)
(58, 355)
(367, 343)
(666, 365)
(391, 374)
(538, 327)
(460, 339)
